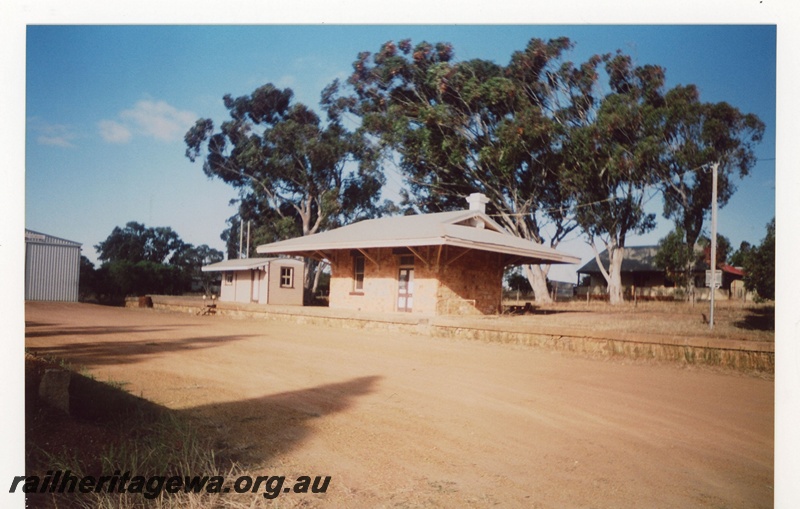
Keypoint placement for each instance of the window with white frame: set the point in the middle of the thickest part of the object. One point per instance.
(229, 278)
(287, 277)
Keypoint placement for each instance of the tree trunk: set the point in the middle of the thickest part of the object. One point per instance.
(317, 274)
(538, 280)
(612, 275)
(691, 240)
(311, 270)
(615, 293)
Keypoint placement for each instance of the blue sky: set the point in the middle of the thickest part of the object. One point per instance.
(107, 108)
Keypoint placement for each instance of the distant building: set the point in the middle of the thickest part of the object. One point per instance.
(439, 264)
(52, 267)
(562, 290)
(260, 280)
(642, 277)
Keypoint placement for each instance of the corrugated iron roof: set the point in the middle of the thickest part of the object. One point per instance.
(242, 264)
(463, 228)
(642, 259)
(43, 238)
(637, 259)
(730, 269)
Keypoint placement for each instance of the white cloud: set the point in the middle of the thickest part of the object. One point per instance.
(153, 119)
(286, 81)
(159, 120)
(54, 135)
(114, 132)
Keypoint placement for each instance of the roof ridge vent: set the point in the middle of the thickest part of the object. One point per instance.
(477, 201)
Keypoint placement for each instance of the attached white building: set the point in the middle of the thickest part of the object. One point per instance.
(52, 267)
(261, 280)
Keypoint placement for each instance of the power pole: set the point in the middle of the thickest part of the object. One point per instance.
(715, 168)
(247, 253)
(241, 235)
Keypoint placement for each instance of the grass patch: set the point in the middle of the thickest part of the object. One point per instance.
(732, 320)
(109, 430)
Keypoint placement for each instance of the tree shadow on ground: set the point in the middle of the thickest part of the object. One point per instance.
(531, 309)
(254, 430)
(108, 429)
(762, 319)
(85, 331)
(100, 353)
(116, 351)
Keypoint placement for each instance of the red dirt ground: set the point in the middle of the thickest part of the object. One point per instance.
(402, 420)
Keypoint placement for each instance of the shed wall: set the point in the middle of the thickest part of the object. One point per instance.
(285, 295)
(243, 284)
(52, 271)
(263, 285)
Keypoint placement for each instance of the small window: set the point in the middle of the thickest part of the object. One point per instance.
(358, 273)
(287, 277)
(229, 278)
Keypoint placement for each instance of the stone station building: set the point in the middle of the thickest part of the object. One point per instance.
(436, 264)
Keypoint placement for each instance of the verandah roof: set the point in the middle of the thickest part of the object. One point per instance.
(239, 264)
(464, 228)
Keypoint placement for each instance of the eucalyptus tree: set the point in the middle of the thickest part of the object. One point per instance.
(678, 260)
(613, 162)
(454, 128)
(759, 265)
(696, 135)
(287, 164)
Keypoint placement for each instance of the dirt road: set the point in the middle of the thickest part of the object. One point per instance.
(410, 421)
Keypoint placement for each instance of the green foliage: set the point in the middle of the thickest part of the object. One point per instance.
(695, 135)
(704, 254)
(140, 278)
(293, 171)
(461, 127)
(678, 259)
(295, 174)
(759, 266)
(739, 257)
(140, 260)
(87, 280)
(135, 243)
(673, 257)
(611, 159)
(518, 282)
(540, 140)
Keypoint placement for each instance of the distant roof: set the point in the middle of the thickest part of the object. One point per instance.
(642, 259)
(730, 269)
(242, 264)
(43, 238)
(462, 228)
(637, 259)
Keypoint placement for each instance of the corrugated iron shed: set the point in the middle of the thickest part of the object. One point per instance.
(52, 267)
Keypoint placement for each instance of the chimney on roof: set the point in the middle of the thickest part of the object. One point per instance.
(477, 201)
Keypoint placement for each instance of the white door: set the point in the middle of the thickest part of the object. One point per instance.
(255, 284)
(405, 290)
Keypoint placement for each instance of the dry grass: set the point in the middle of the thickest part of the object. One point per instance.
(732, 320)
(111, 431)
